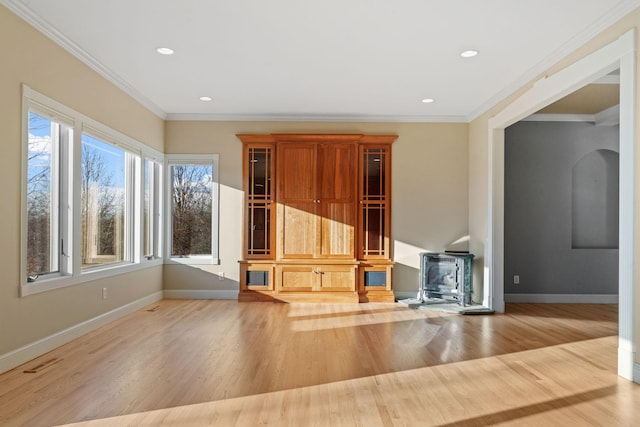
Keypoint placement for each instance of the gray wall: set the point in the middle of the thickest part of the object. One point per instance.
(542, 161)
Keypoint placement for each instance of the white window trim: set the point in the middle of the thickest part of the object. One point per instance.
(73, 274)
(61, 222)
(157, 207)
(192, 159)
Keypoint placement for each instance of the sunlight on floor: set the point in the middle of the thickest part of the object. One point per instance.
(533, 387)
(348, 316)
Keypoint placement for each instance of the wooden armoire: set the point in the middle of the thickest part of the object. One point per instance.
(317, 218)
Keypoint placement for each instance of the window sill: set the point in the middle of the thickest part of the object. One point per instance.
(193, 260)
(49, 284)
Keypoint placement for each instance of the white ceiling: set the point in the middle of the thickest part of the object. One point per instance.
(320, 60)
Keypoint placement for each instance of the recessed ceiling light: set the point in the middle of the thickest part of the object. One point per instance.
(469, 53)
(206, 98)
(165, 51)
(428, 100)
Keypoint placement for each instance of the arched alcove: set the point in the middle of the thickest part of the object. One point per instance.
(595, 200)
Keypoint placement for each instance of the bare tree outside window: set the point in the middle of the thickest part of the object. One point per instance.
(191, 205)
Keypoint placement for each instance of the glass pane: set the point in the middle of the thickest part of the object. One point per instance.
(191, 208)
(147, 219)
(259, 228)
(102, 199)
(42, 200)
(374, 174)
(259, 172)
(375, 278)
(257, 278)
(373, 220)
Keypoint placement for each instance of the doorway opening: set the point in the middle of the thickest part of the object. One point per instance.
(619, 54)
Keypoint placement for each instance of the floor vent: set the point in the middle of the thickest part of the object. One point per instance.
(42, 366)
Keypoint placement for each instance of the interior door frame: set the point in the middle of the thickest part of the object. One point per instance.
(619, 54)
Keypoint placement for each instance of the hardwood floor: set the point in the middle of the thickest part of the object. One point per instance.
(224, 363)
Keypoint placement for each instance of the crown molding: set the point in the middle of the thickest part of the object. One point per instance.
(609, 79)
(570, 46)
(36, 21)
(607, 117)
(313, 118)
(544, 117)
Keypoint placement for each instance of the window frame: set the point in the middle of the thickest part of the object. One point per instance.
(71, 273)
(192, 159)
(156, 213)
(60, 165)
(130, 196)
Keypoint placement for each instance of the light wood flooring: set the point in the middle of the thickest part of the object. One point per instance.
(224, 363)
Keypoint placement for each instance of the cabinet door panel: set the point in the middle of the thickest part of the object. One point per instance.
(336, 172)
(374, 212)
(337, 278)
(259, 237)
(373, 225)
(337, 231)
(296, 172)
(259, 228)
(297, 279)
(299, 231)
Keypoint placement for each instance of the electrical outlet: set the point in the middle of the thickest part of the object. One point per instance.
(221, 275)
(104, 293)
(516, 279)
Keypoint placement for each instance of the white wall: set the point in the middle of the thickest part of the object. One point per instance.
(29, 57)
(429, 194)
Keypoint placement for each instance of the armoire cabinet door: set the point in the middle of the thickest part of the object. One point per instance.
(258, 171)
(332, 278)
(298, 222)
(317, 194)
(374, 203)
(316, 278)
(337, 193)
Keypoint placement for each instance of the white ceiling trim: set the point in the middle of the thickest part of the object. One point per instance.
(543, 117)
(574, 43)
(609, 79)
(313, 118)
(608, 117)
(41, 25)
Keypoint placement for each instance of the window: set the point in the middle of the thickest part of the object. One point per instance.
(193, 209)
(47, 141)
(90, 203)
(104, 211)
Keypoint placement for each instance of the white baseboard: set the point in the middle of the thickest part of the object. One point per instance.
(201, 294)
(562, 298)
(30, 351)
(636, 373)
